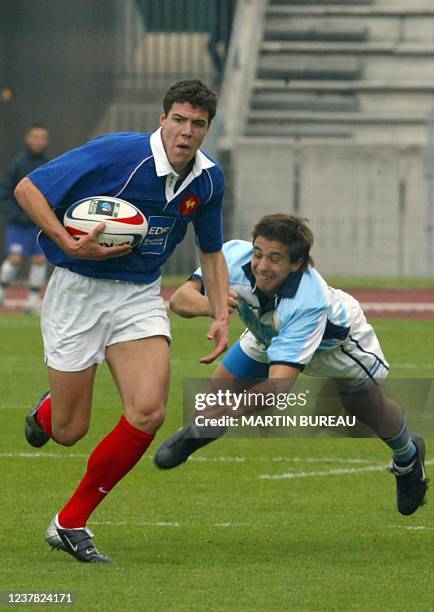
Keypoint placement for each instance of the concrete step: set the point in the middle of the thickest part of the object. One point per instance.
(288, 100)
(387, 24)
(304, 67)
(318, 34)
(319, 97)
(305, 132)
(320, 2)
(372, 118)
(367, 127)
(409, 8)
(375, 86)
(354, 48)
(337, 66)
(289, 74)
(392, 134)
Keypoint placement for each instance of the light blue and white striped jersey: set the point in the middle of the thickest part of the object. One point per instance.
(304, 316)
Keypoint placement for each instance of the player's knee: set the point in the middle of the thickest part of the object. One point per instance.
(149, 420)
(67, 436)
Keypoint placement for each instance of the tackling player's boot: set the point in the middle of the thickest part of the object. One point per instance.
(35, 435)
(411, 485)
(178, 448)
(76, 542)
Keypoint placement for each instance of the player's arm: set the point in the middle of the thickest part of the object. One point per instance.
(37, 207)
(300, 335)
(216, 281)
(280, 380)
(189, 300)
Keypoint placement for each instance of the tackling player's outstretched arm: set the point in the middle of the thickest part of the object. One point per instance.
(188, 300)
(216, 281)
(280, 380)
(37, 207)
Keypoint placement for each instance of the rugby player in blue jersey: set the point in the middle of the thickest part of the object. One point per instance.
(104, 303)
(296, 322)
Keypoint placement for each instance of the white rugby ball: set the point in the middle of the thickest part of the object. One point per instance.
(124, 223)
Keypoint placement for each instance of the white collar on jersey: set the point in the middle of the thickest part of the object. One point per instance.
(162, 164)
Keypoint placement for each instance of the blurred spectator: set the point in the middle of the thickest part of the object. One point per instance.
(220, 35)
(21, 232)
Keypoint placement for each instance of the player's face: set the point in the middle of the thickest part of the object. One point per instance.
(270, 264)
(184, 128)
(37, 140)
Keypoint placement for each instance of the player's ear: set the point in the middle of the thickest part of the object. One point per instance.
(162, 118)
(295, 267)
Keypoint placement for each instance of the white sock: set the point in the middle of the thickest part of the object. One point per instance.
(37, 276)
(32, 299)
(59, 526)
(404, 469)
(7, 273)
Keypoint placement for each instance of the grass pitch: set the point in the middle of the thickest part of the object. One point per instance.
(212, 534)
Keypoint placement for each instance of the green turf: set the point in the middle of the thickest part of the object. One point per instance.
(211, 535)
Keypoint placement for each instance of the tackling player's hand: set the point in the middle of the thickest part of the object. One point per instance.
(232, 302)
(87, 247)
(220, 334)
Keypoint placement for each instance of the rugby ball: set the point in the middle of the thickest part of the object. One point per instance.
(124, 223)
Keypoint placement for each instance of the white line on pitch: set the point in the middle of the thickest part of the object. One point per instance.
(335, 472)
(411, 527)
(231, 459)
(222, 459)
(30, 455)
(138, 524)
(161, 524)
(332, 472)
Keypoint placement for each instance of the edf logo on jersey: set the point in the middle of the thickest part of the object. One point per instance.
(159, 228)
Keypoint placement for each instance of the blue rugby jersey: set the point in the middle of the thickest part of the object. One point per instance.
(135, 167)
(304, 316)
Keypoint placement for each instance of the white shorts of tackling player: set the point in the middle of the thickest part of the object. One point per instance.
(82, 316)
(359, 360)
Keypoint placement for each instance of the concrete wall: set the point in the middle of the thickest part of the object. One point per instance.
(367, 204)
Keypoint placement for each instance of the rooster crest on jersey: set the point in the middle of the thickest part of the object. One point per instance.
(124, 223)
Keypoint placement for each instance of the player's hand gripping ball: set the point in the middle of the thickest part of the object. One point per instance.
(124, 223)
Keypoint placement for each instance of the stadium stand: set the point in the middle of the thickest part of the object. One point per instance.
(357, 69)
(328, 111)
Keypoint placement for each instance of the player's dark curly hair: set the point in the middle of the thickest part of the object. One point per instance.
(291, 231)
(193, 91)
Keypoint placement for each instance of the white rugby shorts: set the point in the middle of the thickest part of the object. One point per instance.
(82, 316)
(358, 362)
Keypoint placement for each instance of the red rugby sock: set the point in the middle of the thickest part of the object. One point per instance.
(43, 416)
(114, 457)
